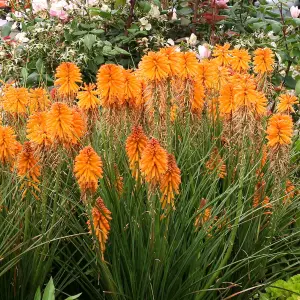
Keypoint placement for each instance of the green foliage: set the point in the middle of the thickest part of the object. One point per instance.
(288, 290)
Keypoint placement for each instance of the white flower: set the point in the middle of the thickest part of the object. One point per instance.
(9, 18)
(295, 12)
(170, 42)
(105, 8)
(145, 24)
(192, 40)
(2, 54)
(272, 36)
(273, 44)
(14, 26)
(39, 5)
(2, 22)
(204, 51)
(21, 37)
(154, 11)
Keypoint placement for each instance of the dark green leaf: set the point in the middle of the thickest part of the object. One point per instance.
(105, 14)
(185, 21)
(145, 6)
(184, 11)
(99, 60)
(80, 32)
(97, 31)
(40, 66)
(290, 82)
(119, 3)
(24, 73)
(121, 51)
(33, 78)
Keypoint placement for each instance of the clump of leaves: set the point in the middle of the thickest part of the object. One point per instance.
(289, 290)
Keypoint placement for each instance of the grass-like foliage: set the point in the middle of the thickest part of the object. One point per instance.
(170, 182)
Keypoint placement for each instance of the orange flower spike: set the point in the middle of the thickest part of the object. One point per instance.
(286, 103)
(197, 99)
(189, 65)
(28, 164)
(135, 145)
(60, 122)
(67, 76)
(240, 60)
(88, 169)
(111, 84)
(132, 88)
(78, 125)
(176, 59)
(169, 184)
(202, 218)
(155, 66)
(263, 60)
(222, 54)
(267, 205)
(260, 105)
(154, 161)
(37, 130)
(279, 130)
(101, 223)
(173, 112)
(7, 144)
(289, 192)
(88, 99)
(38, 100)
(207, 73)
(226, 99)
(16, 100)
(216, 162)
(245, 94)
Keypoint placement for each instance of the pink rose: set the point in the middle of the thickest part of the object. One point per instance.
(204, 51)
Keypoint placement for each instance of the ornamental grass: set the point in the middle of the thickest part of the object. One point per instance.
(176, 180)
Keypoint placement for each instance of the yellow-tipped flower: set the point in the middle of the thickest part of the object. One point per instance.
(88, 99)
(7, 144)
(132, 88)
(240, 60)
(286, 103)
(263, 60)
(280, 130)
(38, 100)
(226, 99)
(154, 161)
(67, 76)
(189, 65)
(169, 184)
(216, 162)
(135, 145)
(175, 59)
(37, 130)
(88, 169)
(16, 100)
(222, 54)
(155, 66)
(111, 84)
(197, 99)
(101, 223)
(28, 165)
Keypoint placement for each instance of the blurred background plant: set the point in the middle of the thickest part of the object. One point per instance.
(95, 32)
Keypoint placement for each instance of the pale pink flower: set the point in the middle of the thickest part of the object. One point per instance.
(295, 12)
(204, 51)
(221, 3)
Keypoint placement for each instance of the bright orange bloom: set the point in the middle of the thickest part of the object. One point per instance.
(78, 125)
(135, 145)
(169, 183)
(240, 60)
(38, 100)
(60, 122)
(111, 85)
(216, 162)
(7, 144)
(207, 74)
(37, 130)
(132, 87)
(28, 164)
(155, 66)
(68, 75)
(101, 227)
(280, 130)
(173, 112)
(260, 105)
(245, 94)
(289, 192)
(286, 103)
(88, 99)
(175, 58)
(189, 65)
(222, 54)
(154, 161)
(223, 74)
(263, 60)
(197, 99)
(226, 99)
(88, 169)
(16, 100)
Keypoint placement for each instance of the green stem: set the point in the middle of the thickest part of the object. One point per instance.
(232, 235)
